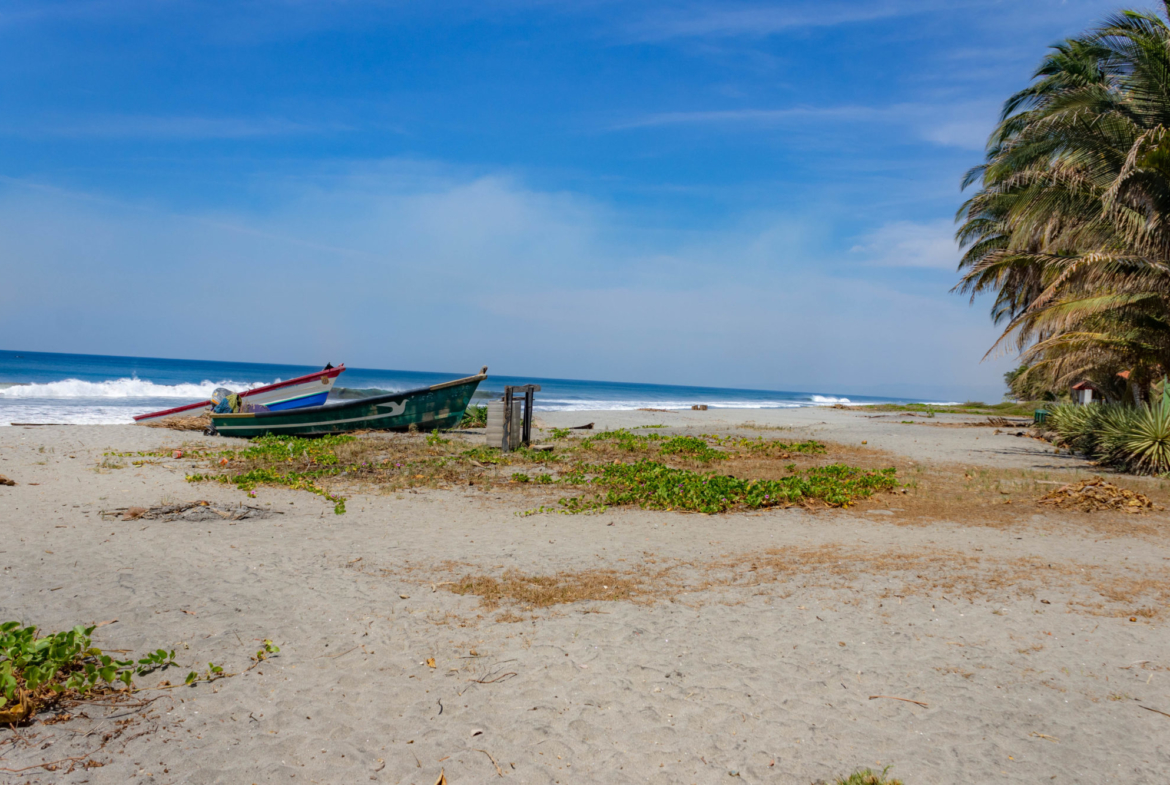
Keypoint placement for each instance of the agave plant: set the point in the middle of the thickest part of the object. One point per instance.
(1076, 427)
(1131, 438)
(1147, 443)
(1115, 425)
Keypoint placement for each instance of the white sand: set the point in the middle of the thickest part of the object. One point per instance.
(752, 680)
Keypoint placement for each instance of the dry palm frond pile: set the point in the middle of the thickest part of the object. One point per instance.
(202, 422)
(1097, 494)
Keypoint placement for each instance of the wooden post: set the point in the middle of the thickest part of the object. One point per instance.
(525, 425)
(529, 399)
(507, 443)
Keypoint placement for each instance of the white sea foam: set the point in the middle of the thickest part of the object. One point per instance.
(119, 388)
(72, 415)
(577, 405)
(822, 400)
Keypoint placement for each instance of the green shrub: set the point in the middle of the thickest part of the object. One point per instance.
(474, 417)
(691, 447)
(868, 777)
(43, 668)
(1076, 427)
(623, 440)
(652, 485)
(270, 460)
(1145, 442)
(1131, 438)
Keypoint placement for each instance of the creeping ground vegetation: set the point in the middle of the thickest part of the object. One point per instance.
(37, 672)
(868, 777)
(704, 474)
(45, 672)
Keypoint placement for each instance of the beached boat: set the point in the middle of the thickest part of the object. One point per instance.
(308, 390)
(439, 407)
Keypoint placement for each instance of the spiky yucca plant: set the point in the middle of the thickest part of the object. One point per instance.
(1130, 438)
(1076, 427)
(1114, 425)
(1146, 444)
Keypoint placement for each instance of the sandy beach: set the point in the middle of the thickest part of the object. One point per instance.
(1006, 642)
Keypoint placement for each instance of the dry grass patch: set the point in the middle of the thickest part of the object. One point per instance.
(997, 498)
(706, 473)
(1095, 589)
(391, 463)
(543, 591)
(371, 462)
(953, 574)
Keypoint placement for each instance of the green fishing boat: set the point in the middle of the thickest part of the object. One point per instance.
(440, 407)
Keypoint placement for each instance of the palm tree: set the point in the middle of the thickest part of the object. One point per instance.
(1067, 227)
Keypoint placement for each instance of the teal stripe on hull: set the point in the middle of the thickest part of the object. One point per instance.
(440, 407)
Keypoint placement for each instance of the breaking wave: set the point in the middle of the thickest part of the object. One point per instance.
(120, 388)
(828, 399)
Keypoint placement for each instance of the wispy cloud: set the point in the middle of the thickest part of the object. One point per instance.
(24, 12)
(756, 117)
(756, 20)
(704, 19)
(910, 244)
(964, 125)
(178, 127)
(967, 134)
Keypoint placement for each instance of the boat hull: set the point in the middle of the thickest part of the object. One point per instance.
(316, 398)
(310, 390)
(431, 408)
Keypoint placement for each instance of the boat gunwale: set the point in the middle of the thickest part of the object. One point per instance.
(327, 373)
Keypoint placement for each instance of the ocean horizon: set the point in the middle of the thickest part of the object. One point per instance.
(49, 387)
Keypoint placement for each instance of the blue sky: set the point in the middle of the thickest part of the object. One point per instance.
(718, 193)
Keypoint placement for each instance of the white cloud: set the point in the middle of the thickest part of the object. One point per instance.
(399, 266)
(755, 20)
(168, 127)
(754, 117)
(965, 124)
(909, 244)
(965, 134)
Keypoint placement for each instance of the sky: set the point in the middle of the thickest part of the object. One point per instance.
(735, 194)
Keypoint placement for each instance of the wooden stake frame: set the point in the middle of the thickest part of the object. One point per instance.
(510, 394)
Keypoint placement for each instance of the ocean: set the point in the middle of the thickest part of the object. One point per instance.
(39, 387)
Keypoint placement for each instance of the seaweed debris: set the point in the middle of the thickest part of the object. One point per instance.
(189, 511)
